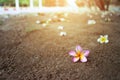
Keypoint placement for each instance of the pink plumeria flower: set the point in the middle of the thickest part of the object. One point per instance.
(79, 54)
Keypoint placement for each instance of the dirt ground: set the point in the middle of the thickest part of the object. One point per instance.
(42, 54)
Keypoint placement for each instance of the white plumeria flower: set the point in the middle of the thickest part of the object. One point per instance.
(63, 33)
(37, 22)
(55, 16)
(49, 20)
(65, 14)
(44, 24)
(62, 19)
(91, 22)
(103, 39)
(60, 27)
(108, 20)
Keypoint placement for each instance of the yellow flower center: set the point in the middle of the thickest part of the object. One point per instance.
(103, 39)
(80, 55)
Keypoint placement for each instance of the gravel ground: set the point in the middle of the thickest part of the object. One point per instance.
(41, 54)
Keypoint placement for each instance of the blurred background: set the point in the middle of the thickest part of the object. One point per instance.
(25, 3)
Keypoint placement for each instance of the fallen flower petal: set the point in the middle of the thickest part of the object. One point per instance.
(65, 14)
(72, 53)
(91, 22)
(63, 33)
(75, 59)
(78, 48)
(62, 19)
(60, 27)
(86, 52)
(84, 59)
(44, 24)
(37, 22)
(108, 20)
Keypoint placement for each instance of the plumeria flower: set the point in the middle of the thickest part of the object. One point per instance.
(44, 24)
(49, 20)
(108, 20)
(60, 27)
(63, 33)
(103, 39)
(62, 19)
(55, 16)
(37, 22)
(65, 14)
(91, 22)
(79, 54)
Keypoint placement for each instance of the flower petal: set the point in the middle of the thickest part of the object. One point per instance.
(106, 36)
(86, 52)
(98, 40)
(75, 59)
(101, 36)
(78, 48)
(106, 41)
(84, 59)
(101, 42)
(72, 53)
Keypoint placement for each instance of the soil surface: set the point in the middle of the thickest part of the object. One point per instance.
(42, 54)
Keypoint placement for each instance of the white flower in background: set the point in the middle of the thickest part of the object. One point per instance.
(62, 19)
(65, 14)
(44, 24)
(37, 22)
(91, 22)
(63, 33)
(108, 20)
(55, 17)
(103, 39)
(49, 20)
(60, 27)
